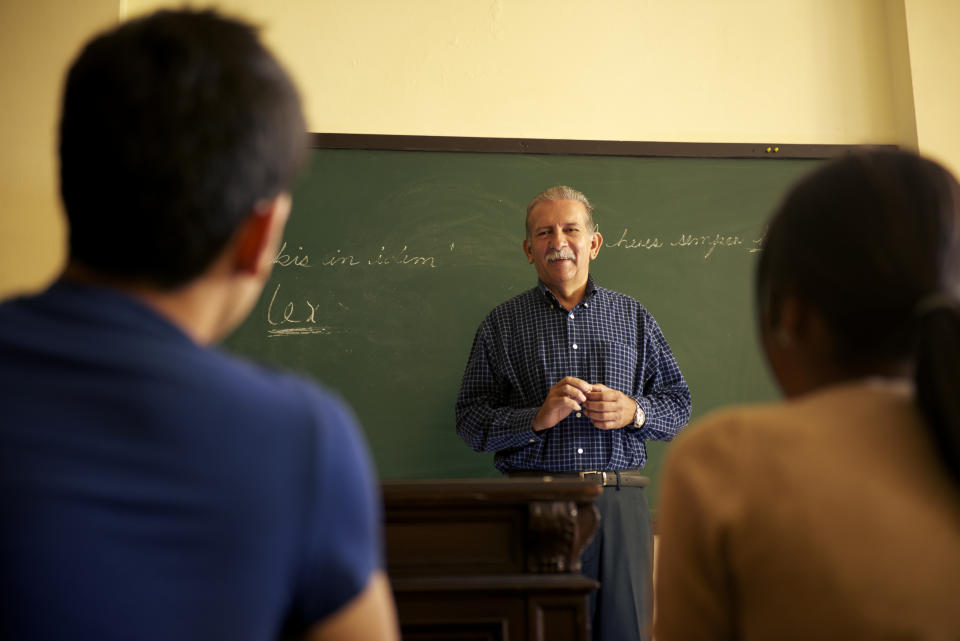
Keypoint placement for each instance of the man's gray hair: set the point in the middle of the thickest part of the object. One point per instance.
(561, 192)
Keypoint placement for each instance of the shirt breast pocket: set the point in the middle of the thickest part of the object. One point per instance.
(617, 367)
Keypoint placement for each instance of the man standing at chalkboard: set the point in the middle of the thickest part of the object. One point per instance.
(570, 378)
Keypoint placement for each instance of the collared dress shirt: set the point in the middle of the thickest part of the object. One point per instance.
(530, 342)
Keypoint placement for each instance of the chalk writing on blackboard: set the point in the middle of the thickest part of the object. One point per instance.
(401, 258)
(635, 243)
(384, 256)
(708, 241)
(718, 240)
(291, 313)
(338, 258)
(285, 259)
(300, 331)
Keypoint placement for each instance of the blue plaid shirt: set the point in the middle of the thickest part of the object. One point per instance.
(530, 342)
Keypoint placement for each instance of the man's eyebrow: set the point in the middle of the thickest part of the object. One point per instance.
(571, 223)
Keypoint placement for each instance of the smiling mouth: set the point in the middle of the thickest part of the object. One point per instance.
(559, 256)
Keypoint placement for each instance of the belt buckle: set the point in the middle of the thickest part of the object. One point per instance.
(593, 474)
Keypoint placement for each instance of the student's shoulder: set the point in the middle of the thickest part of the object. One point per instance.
(728, 434)
(817, 414)
(289, 398)
(273, 380)
(777, 430)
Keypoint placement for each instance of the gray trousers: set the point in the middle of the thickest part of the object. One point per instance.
(620, 557)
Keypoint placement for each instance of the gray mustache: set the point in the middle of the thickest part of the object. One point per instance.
(560, 254)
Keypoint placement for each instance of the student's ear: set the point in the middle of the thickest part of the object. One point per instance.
(795, 319)
(259, 235)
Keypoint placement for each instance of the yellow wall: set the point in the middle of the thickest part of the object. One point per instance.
(811, 71)
(37, 39)
(799, 71)
(934, 29)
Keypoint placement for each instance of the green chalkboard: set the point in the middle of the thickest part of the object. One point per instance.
(392, 258)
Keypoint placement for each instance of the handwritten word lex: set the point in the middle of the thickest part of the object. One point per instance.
(299, 258)
(292, 319)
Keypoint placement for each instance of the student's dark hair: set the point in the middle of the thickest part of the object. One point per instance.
(872, 241)
(174, 127)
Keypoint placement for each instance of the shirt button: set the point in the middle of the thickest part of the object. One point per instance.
(533, 440)
(571, 316)
(579, 414)
(586, 304)
(574, 346)
(579, 450)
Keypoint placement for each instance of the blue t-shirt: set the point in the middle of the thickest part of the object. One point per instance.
(151, 488)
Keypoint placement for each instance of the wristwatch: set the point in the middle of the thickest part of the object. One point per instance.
(640, 417)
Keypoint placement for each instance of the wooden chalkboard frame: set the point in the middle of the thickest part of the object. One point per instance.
(392, 142)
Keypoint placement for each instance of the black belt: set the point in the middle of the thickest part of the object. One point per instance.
(613, 478)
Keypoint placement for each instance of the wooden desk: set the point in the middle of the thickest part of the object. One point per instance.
(490, 559)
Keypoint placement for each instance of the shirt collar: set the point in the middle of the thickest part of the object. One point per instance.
(111, 305)
(588, 293)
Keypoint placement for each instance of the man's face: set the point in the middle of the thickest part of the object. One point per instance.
(560, 245)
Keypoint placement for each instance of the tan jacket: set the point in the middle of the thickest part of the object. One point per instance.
(826, 517)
